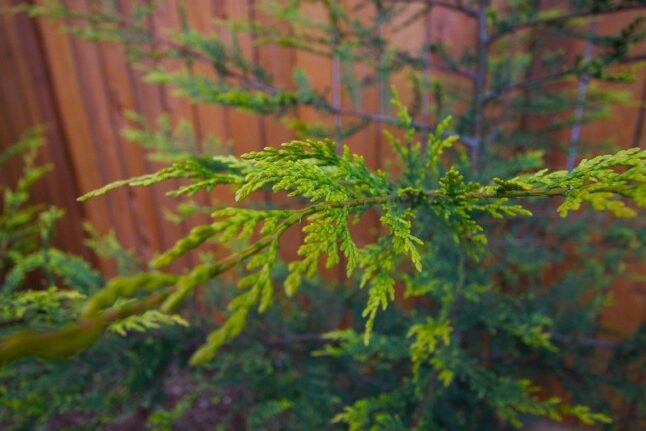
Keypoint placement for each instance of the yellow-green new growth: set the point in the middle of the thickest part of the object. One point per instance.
(340, 188)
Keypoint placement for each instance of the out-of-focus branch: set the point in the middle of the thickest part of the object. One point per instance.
(555, 76)
(469, 141)
(422, 406)
(325, 105)
(479, 83)
(252, 83)
(455, 6)
(73, 337)
(457, 70)
(590, 342)
(428, 65)
(584, 80)
(562, 19)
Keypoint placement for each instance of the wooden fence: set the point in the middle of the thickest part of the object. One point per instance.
(80, 90)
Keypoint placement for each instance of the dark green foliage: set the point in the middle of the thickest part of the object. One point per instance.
(42, 287)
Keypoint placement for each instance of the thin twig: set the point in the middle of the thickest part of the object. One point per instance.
(295, 339)
(460, 71)
(428, 65)
(591, 342)
(480, 80)
(575, 135)
(421, 406)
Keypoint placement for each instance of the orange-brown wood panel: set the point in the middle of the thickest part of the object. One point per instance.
(68, 94)
(59, 187)
(109, 159)
(195, 114)
(11, 169)
(211, 121)
(245, 128)
(120, 96)
(627, 307)
(165, 20)
(148, 100)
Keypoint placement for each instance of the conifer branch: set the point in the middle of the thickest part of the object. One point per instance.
(299, 167)
(74, 337)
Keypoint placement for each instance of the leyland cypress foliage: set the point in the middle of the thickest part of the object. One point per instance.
(337, 189)
(455, 321)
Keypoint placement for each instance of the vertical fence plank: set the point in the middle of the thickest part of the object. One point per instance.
(67, 91)
(59, 187)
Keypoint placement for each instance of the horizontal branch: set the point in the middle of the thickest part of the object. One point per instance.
(78, 336)
(391, 119)
(572, 71)
(458, 7)
(295, 339)
(460, 71)
(435, 194)
(591, 342)
(73, 337)
(561, 19)
(406, 195)
(321, 103)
